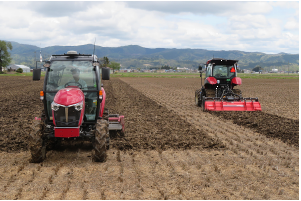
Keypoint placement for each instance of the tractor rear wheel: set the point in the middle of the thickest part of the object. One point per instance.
(100, 142)
(37, 144)
(203, 103)
(198, 101)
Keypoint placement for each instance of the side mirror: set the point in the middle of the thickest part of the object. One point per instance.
(36, 74)
(200, 68)
(106, 73)
(46, 65)
(95, 64)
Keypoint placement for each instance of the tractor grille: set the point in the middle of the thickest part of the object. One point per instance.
(66, 117)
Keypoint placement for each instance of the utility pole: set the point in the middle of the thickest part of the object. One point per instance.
(288, 63)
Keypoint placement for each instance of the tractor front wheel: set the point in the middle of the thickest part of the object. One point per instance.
(100, 142)
(37, 144)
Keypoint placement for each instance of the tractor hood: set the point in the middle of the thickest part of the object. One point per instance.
(69, 96)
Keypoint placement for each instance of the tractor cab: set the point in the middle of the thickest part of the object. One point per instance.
(222, 73)
(72, 82)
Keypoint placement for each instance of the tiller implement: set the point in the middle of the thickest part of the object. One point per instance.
(218, 93)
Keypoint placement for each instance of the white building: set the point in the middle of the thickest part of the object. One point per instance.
(274, 70)
(14, 67)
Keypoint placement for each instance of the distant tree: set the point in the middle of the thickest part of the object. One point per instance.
(114, 65)
(256, 69)
(167, 67)
(19, 70)
(5, 58)
(240, 71)
(105, 61)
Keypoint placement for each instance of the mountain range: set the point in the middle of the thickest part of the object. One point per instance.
(134, 56)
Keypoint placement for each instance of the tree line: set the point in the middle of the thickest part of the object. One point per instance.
(5, 58)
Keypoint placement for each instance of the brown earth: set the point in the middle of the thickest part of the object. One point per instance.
(171, 150)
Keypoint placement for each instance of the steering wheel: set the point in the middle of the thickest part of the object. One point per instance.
(76, 84)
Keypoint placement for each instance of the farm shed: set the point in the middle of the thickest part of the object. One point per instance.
(14, 67)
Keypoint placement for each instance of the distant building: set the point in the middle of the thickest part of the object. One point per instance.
(14, 67)
(161, 71)
(275, 70)
(246, 71)
(184, 69)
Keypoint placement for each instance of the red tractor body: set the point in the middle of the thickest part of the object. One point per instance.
(74, 105)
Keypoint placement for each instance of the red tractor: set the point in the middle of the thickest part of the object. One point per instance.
(218, 93)
(74, 106)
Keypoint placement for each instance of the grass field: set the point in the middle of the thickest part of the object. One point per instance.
(197, 75)
(22, 74)
(183, 75)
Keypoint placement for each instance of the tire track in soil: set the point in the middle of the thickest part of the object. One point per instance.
(35, 186)
(130, 185)
(161, 174)
(146, 178)
(60, 179)
(176, 188)
(22, 178)
(104, 180)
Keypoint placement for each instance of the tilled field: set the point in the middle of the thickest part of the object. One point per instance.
(171, 150)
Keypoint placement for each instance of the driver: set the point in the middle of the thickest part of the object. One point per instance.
(75, 73)
(73, 82)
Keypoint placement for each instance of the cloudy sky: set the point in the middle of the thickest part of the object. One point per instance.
(262, 26)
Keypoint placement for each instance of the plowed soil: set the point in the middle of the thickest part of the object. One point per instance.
(171, 149)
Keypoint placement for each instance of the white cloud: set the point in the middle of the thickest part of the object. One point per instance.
(292, 24)
(254, 27)
(203, 7)
(246, 25)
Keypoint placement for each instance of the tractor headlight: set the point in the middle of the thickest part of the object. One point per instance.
(78, 106)
(55, 106)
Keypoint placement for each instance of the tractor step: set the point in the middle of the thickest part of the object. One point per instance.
(116, 122)
(115, 126)
(247, 104)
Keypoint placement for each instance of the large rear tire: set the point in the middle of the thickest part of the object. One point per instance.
(203, 103)
(37, 143)
(99, 145)
(198, 101)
